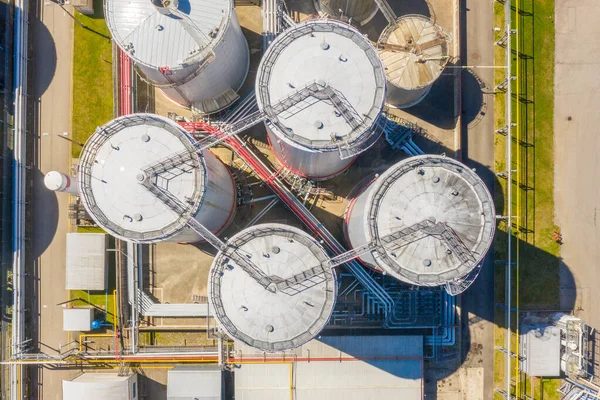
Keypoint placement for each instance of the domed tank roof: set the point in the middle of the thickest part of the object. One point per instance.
(167, 33)
(111, 169)
(445, 195)
(414, 52)
(272, 320)
(321, 83)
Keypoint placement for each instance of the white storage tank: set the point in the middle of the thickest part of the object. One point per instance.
(322, 86)
(414, 52)
(59, 182)
(357, 11)
(193, 50)
(429, 189)
(272, 320)
(114, 164)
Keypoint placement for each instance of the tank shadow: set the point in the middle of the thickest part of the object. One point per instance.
(150, 388)
(374, 27)
(44, 48)
(255, 46)
(437, 108)
(474, 105)
(301, 9)
(46, 217)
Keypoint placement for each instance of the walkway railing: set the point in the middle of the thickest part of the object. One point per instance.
(512, 242)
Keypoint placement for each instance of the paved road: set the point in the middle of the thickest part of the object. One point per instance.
(577, 145)
(51, 66)
(478, 152)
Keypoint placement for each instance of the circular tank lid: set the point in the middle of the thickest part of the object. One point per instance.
(414, 52)
(177, 33)
(54, 180)
(455, 206)
(321, 83)
(112, 172)
(272, 320)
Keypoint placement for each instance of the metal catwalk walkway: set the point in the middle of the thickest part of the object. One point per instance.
(288, 198)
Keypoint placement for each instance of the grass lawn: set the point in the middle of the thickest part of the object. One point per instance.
(105, 301)
(90, 229)
(92, 75)
(546, 389)
(532, 187)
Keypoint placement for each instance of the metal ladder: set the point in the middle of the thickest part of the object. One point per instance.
(196, 33)
(177, 206)
(306, 279)
(456, 245)
(344, 107)
(234, 254)
(234, 127)
(390, 242)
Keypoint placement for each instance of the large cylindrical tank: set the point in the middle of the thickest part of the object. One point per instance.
(272, 320)
(359, 11)
(59, 182)
(114, 163)
(319, 136)
(434, 188)
(193, 50)
(414, 52)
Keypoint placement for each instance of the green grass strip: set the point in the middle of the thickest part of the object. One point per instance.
(92, 75)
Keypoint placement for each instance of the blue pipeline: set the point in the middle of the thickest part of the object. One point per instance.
(411, 148)
(371, 308)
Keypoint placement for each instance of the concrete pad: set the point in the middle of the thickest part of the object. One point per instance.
(576, 121)
(50, 209)
(471, 380)
(180, 271)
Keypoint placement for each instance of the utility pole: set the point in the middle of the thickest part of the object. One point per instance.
(61, 5)
(71, 140)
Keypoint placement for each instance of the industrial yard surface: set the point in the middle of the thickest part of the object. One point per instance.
(188, 243)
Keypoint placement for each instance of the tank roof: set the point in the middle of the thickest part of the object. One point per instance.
(109, 177)
(54, 180)
(155, 37)
(434, 188)
(414, 51)
(325, 53)
(272, 321)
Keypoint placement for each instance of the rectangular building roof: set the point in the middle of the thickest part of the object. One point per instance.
(92, 386)
(340, 367)
(194, 383)
(78, 319)
(86, 261)
(540, 347)
(83, 3)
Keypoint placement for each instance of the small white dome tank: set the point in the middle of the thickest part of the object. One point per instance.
(360, 11)
(272, 320)
(193, 50)
(414, 52)
(59, 182)
(114, 164)
(321, 85)
(434, 190)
